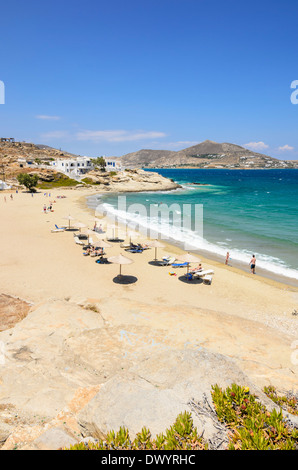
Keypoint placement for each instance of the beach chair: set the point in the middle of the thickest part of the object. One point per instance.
(78, 241)
(179, 265)
(58, 229)
(167, 261)
(134, 250)
(205, 272)
(206, 275)
(207, 279)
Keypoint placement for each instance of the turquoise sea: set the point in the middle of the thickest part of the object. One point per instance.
(245, 212)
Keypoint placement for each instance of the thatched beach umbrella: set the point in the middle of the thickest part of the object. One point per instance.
(156, 244)
(113, 228)
(69, 218)
(79, 225)
(133, 235)
(101, 243)
(120, 259)
(88, 232)
(188, 258)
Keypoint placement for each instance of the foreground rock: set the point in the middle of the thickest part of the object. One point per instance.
(71, 373)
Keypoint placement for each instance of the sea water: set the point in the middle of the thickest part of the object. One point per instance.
(244, 212)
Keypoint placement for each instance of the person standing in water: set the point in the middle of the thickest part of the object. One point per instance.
(227, 257)
(253, 264)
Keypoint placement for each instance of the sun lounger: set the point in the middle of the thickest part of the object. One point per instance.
(58, 229)
(78, 242)
(207, 279)
(167, 261)
(134, 250)
(206, 275)
(179, 265)
(205, 272)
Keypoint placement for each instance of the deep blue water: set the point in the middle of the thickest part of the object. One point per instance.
(245, 212)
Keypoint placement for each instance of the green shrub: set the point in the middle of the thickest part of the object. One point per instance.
(181, 436)
(60, 182)
(289, 403)
(251, 426)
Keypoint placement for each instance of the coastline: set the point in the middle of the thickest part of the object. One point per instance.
(86, 333)
(175, 246)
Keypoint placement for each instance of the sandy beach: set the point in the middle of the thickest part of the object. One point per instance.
(248, 319)
(37, 264)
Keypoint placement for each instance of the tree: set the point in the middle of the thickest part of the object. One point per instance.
(100, 162)
(29, 181)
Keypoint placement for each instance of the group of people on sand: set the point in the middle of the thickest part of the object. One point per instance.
(49, 208)
(252, 262)
(92, 251)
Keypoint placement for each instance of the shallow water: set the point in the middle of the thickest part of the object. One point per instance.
(245, 212)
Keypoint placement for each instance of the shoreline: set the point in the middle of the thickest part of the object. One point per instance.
(86, 328)
(208, 256)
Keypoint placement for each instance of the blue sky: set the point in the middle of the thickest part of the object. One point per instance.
(108, 78)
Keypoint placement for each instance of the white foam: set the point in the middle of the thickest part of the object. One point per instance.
(193, 241)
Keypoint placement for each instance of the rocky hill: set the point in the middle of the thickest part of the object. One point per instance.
(12, 152)
(207, 154)
(15, 150)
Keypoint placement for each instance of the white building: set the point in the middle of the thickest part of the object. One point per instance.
(77, 167)
(73, 167)
(113, 164)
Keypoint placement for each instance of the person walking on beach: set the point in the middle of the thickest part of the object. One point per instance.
(253, 264)
(227, 257)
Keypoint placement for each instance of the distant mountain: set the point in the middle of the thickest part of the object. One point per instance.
(207, 154)
(146, 157)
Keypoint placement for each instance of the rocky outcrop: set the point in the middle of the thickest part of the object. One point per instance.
(71, 373)
(12, 311)
(129, 180)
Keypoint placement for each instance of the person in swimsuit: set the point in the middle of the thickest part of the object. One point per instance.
(253, 264)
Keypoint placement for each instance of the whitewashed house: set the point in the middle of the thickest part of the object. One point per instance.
(73, 167)
(113, 164)
(78, 167)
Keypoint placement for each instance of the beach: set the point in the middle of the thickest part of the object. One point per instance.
(246, 318)
(37, 265)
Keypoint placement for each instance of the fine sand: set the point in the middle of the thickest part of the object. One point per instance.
(241, 315)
